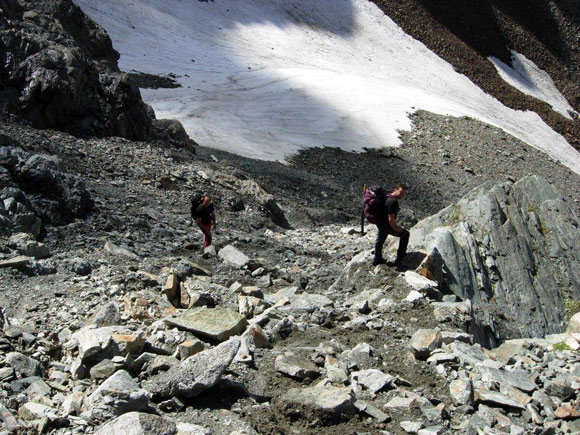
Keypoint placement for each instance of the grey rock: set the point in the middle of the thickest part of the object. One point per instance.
(495, 398)
(424, 342)
(118, 395)
(411, 426)
(138, 423)
(121, 251)
(510, 241)
(559, 389)
(23, 365)
(102, 370)
(233, 256)
(374, 380)
(461, 391)
(215, 324)
(108, 315)
(372, 410)
(196, 374)
(467, 354)
(516, 378)
(327, 403)
(296, 367)
(306, 303)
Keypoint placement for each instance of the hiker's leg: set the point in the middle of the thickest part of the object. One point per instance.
(403, 242)
(207, 237)
(379, 242)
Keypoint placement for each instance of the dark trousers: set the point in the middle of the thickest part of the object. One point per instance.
(386, 230)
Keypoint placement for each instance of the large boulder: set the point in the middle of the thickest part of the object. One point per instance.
(513, 249)
(196, 374)
(59, 70)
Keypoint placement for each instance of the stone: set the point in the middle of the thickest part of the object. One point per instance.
(414, 296)
(495, 398)
(374, 380)
(373, 411)
(491, 239)
(574, 324)
(35, 411)
(73, 403)
(23, 365)
(467, 354)
(118, 395)
(424, 342)
(411, 426)
(515, 393)
(189, 348)
(452, 336)
(194, 429)
(258, 337)
(419, 282)
(567, 413)
(401, 402)
(196, 374)
(516, 378)
(559, 389)
(306, 303)
(326, 402)
(102, 370)
(216, 324)
(108, 315)
(120, 251)
(461, 391)
(138, 423)
(96, 344)
(172, 288)
(452, 311)
(282, 293)
(296, 367)
(16, 262)
(441, 357)
(233, 256)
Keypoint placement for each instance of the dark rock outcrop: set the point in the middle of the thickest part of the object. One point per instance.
(514, 251)
(37, 189)
(59, 70)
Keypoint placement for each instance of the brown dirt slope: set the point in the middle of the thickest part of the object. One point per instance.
(466, 33)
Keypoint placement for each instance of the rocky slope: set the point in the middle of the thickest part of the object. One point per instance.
(113, 317)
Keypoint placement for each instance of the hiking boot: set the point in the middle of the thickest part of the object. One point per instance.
(378, 261)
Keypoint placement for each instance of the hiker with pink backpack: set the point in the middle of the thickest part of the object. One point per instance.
(381, 208)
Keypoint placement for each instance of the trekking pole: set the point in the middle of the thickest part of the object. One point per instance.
(362, 215)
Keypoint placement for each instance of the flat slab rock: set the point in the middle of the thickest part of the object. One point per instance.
(327, 402)
(216, 324)
(296, 367)
(138, 423)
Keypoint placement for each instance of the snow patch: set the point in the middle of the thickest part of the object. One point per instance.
(526, 77)
(267, 78)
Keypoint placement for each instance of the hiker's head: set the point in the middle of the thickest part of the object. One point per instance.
(400, 191)
(206, 200)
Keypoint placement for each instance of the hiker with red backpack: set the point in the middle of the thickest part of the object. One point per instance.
(381, 209)
(203, 214)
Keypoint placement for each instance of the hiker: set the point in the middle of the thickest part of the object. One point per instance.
(386, 222)
(205, 218)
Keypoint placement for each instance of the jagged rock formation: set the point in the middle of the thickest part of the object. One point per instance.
(59, 70)
(513, 250)
(36, 190)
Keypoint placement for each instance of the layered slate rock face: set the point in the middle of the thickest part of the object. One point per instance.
(59, 70)
(514, 251)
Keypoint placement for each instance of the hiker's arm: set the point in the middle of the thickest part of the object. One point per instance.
(393, 223)
(212, 216)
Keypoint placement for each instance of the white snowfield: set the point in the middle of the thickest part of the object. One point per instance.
(529, 79)
(267, 78)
